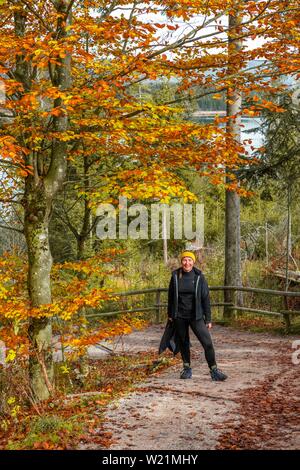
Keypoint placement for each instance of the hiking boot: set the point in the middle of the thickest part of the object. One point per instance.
(186, 373)
(217, 375)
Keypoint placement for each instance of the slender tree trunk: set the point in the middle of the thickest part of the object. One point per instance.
(164, 236)
(83, 361)
(81, 248)
(288, 254)
(85, 233)
(267, 243)
(288, 238)
(232, 199)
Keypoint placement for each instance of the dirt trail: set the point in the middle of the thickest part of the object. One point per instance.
(256, 408)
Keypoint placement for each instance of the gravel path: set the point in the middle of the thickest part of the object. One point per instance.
(256, 408)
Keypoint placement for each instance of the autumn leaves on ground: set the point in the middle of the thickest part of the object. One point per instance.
(76, 414)
(256, 408)
(135, 400)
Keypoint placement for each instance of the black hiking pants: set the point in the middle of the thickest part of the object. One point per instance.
(201, 332)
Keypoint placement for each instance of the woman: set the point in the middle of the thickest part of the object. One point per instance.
(189, 306)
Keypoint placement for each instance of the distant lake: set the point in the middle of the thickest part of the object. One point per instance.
(249, 131)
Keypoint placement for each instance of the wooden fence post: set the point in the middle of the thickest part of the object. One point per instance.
(286, 316)
(229, 300)
(157, 318)
(287, 320)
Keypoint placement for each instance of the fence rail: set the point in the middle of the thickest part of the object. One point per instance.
(157, 307)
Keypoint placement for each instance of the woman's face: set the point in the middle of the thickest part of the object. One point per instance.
(187, 264)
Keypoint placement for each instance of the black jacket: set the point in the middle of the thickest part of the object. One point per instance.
(202, 300)
(170, 340)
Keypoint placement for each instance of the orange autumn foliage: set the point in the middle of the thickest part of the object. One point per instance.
(110, 53)
(107, 120)
(71, 293)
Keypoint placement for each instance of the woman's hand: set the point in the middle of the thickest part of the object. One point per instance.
(209, 325)
(170, 318)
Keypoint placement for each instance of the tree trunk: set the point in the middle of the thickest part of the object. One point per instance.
(232, 199)
(164, 237)
(83, 361)
(232, 249)
(40, 190)
(83, 237)
(288, 238)
(267, 243)
(288, 255)
(37, 212)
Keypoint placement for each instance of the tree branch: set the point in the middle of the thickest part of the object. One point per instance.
(6, 227)
(178, 100)
(36, 14)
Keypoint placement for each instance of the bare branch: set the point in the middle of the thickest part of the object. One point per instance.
(6, 227)
(129, 25)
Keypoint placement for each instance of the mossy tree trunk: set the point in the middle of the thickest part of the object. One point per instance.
(37, 213)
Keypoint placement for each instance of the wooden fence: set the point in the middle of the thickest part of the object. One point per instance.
(284, 313)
